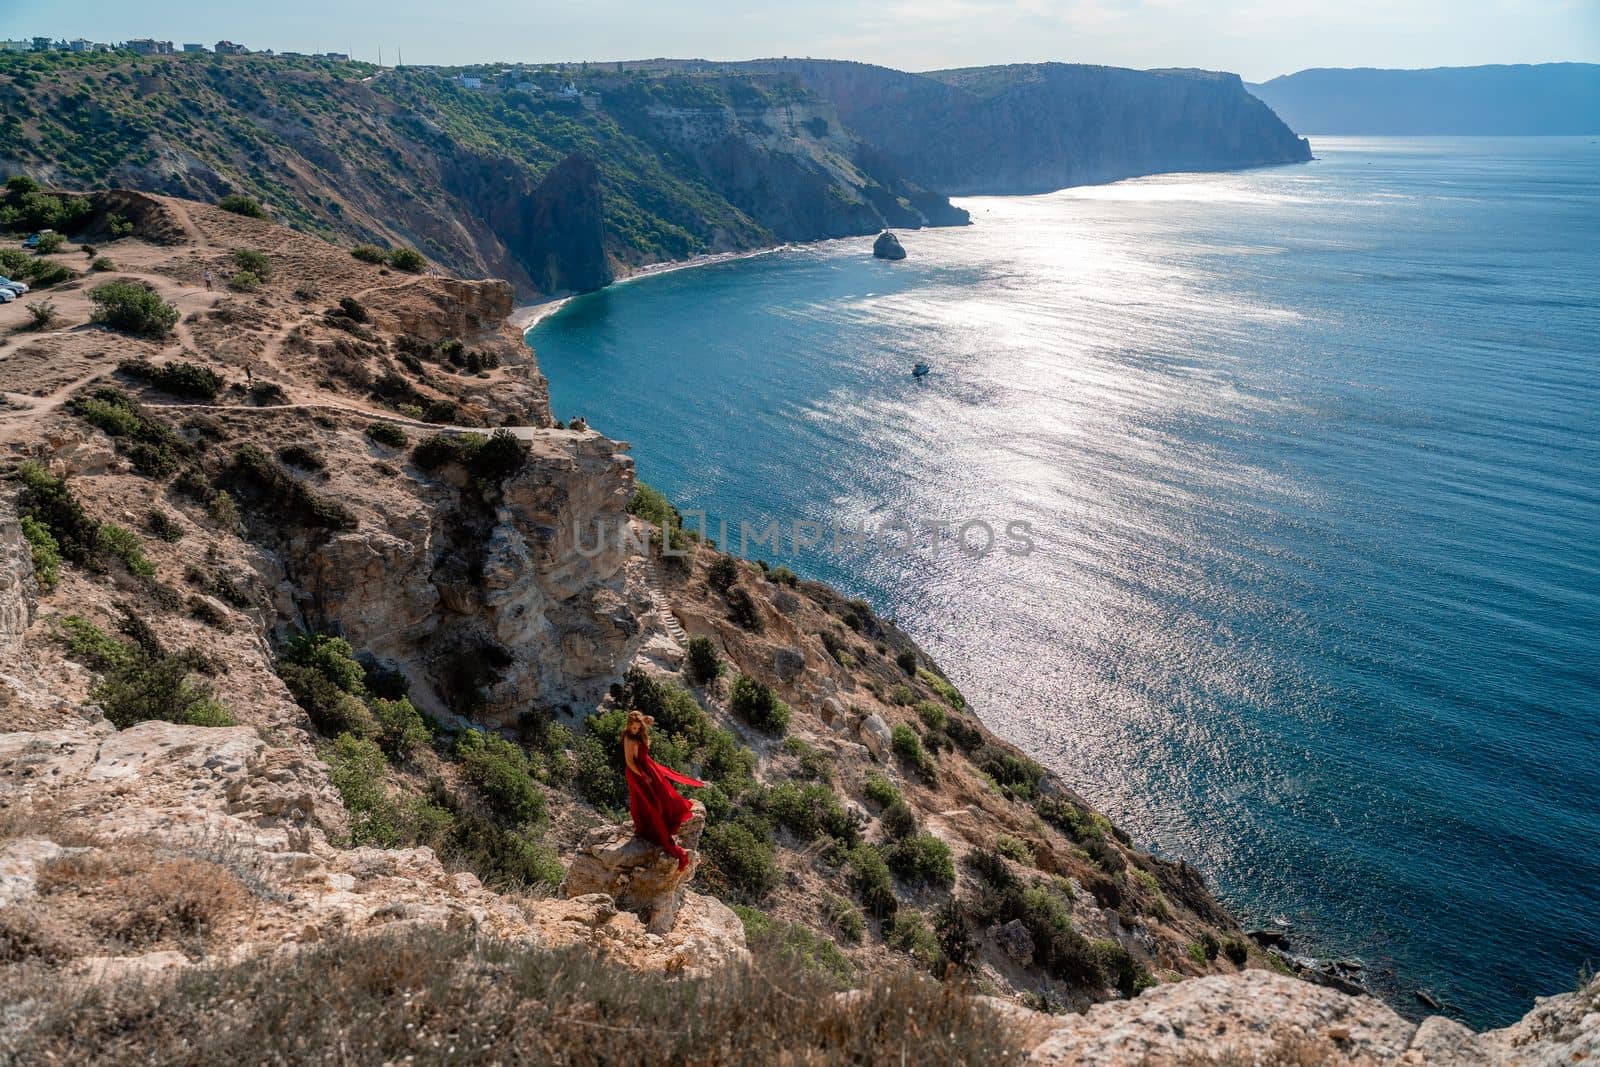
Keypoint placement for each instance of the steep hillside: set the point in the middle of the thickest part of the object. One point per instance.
(1524, 100)
(558, 178)
(1033, 128)
(535, 186)
(310, 700)
(209, 499)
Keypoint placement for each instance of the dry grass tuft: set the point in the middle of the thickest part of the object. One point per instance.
(134, 898)
(431, 996)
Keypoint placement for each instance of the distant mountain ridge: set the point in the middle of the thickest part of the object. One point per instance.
(1543, 99)
(561, 178)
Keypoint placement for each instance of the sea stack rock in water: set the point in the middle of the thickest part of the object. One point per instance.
(887, 246)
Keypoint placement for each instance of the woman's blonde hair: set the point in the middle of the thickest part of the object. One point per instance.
(641, 720)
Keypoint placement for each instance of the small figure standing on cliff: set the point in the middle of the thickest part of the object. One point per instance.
(658, 810)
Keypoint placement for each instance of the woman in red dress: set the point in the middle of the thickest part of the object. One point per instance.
(658, 810)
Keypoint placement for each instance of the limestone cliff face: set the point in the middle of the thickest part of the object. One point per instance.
(554, 230)
(795, 169)
(1040, 127)
(490, 609)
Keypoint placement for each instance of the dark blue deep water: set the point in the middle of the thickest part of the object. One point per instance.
(1312, 461)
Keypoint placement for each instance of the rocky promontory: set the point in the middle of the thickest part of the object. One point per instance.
(888, 246)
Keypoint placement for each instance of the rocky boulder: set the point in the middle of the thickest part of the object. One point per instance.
(888, 246)
(635, 873)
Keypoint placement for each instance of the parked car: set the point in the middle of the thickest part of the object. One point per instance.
(16, 287)
(6, 296)
(33, 239)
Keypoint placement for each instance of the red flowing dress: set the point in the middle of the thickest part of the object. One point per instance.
(658, 810)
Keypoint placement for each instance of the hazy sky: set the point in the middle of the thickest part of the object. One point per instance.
(1256, 38)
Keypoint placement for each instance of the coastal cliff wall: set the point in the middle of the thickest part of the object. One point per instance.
(1039, 127)
(555, 188)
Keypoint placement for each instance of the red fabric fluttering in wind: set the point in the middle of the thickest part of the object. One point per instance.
(658, 810)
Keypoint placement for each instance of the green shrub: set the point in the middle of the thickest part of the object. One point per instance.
(240, 204)
(369, 254)
(124, 544)
(408, 259)
(279, 494)
(1105, 855)
(42, 315)
(910, 933)
(743, 860)
(802, 946)
(907, 660)
(359, 772)
(758, 704)
(703, 664)
(401, 729)
(963, 732)
(301, 455)
(387, 433)
(922, 858)
(1014, 849)
(1045, 912)
(332, 710)
(880, 790)
(954, 930)
(783, 576)
(507, 859)
(49, 244)
(742, 610)
(254, 261)
(903, 695)
(1015, 774)
(46, 273)
(898, 820)
(102, 264)
(224, 511)
(47, 500)
(932, 715)
(908, 746)
(154, 447)
(722, 573)
(1197, 953)
(352, 309)
(811, 761)
(119, 225)
(140, 679)
(870, 880)
(488, 460)
(1120, 968)
(132, 307)
(326, 680)
(1068, 818)
(244, 281)
(45, 552)
(21, 183)
(943, 688)
(1236, 951)
(809, 811)
(502, 774)
(843, 916)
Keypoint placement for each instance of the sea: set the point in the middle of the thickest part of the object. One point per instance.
(1262, 506)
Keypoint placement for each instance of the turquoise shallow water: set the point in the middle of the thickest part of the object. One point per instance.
(1310, 459)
